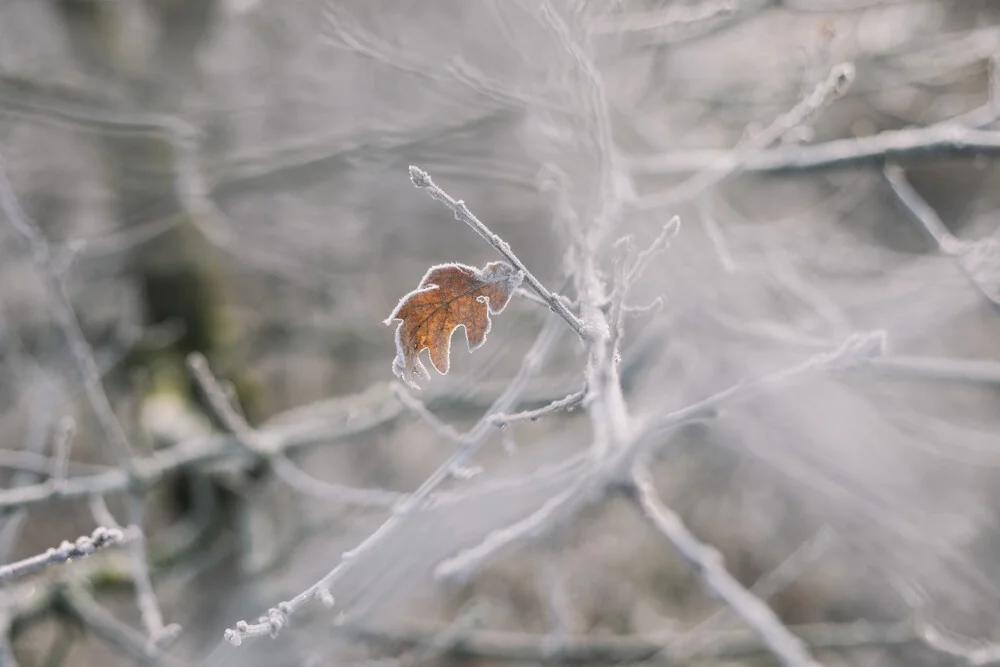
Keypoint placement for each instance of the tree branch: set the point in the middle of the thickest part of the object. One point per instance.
(947, 242)
(276, 617)
(83, 546)
(724, 646)
(422, 180)
(789, 649)
(924, 143)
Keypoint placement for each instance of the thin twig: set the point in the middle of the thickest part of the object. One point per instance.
(672, 17)
(608, 473)
(516, 647)
(277, 617)
(7, 658)
(733, 161)
(417, 408)
(45, 401)
(65, 430)
(263, 444)
(693, 641)
(83, 608)
(985, 371)
(566, 403)
(857, 351)
(290, 432)
(464, 624)
(422, 180)
(83, 546)
(83, 356)
(972, 653)
(554, 512)
(926, 143)
(613, 183)
(158, 633)
(90, 375)
(789, 649)
(947, 242)
(255, 441)
(39, 464)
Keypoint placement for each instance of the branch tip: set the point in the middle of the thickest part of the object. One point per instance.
(419, 177)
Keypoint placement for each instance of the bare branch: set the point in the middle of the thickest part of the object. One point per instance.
(417, 408)
(277, 617)
(39, 464)
(255, 441)
(290, 432)
(90, 376)
(159, 634)
(84, 546)
(83, 355)
(567, 403)
(983, 371)
(61, 446)
(556, 511)
(789, 649)
(610, 472)
(7, 658)
(462, 213)
(83, 608)
(946, 241)
(923, 143)
(972, 653)
(921, 210)
(673, 16)
(576, 650)
(693, 641)
(835, 85)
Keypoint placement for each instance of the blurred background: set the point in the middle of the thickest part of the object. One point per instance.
(229, 178)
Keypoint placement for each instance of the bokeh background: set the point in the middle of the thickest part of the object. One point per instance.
(230, 178)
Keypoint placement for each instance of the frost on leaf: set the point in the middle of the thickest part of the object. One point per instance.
(449, 296)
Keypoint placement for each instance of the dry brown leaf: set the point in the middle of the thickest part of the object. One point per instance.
(449, 296)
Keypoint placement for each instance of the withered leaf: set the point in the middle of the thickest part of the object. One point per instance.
(449, 296)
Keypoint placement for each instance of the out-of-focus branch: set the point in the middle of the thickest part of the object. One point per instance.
(566, 403)
(933, 142)
(764, 588)
(609, 473)
(34, 601)
(7, 658)
(789, 649)
(348, 34)
(674, 16)
(301, 428)
(82, 108)
(729, 645)
(90, 376)
(83, 356)
(261, 445)
(715, 17)
(271, 623)
(39, 464)
(730, 162)
(84, 546)
(984, 254)
(83, 608)
(461, 567)
(417, 408)
(972, 653)
(984, 371)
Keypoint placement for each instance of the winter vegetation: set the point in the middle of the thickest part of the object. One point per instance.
(488, 332)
